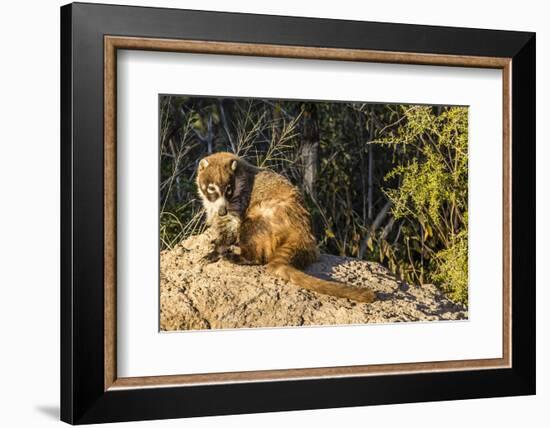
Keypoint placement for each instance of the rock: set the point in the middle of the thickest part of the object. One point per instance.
(197, 295)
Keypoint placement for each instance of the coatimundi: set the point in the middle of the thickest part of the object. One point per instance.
(258, 217)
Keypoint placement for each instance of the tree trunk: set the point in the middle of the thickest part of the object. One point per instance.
(210, 136)
(363, 186)
(371, 173)
(226, 127)
(375, 225)
(310, 151)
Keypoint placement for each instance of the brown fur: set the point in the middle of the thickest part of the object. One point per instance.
(264, 221)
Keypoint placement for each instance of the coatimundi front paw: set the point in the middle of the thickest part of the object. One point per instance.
(234, 255)
(231, 253)
(212, 257)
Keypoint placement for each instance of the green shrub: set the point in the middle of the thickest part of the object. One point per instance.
(451, 269)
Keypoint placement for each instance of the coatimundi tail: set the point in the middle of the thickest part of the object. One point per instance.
(258, 217)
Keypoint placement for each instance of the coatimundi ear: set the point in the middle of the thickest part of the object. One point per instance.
(233, 165)
(203, 164)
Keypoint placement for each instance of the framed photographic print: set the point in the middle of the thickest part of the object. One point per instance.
(266, 213)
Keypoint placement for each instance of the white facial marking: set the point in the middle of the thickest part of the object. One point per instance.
(213, 188)
(212, 208)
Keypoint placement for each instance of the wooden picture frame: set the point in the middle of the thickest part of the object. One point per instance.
(91, 391)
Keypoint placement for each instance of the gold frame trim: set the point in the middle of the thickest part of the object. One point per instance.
(113, 43)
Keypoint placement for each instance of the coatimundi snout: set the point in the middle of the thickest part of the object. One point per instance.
(258, 217)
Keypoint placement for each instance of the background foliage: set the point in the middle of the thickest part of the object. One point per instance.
(383, 182)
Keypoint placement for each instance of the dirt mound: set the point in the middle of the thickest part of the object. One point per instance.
(198, 295)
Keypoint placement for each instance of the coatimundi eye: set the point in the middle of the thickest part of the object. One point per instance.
(211, 189)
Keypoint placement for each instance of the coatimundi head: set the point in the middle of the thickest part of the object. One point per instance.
(216, 181)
